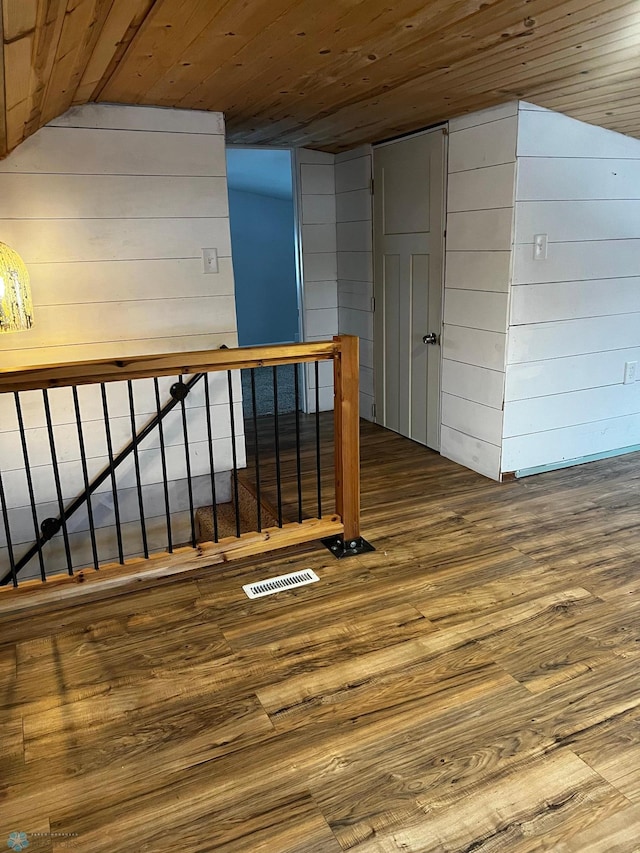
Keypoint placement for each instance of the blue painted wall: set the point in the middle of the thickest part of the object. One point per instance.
(262, 245)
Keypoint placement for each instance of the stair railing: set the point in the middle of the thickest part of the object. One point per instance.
(50, 526)
(153, 504)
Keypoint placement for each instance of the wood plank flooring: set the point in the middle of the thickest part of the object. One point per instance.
(473, 685)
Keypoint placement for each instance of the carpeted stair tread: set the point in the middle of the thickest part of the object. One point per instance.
(247, 505)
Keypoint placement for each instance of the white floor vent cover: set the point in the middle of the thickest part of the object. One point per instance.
(282, 582)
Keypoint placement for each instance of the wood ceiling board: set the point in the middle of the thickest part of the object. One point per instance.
(3, 112)
(228, 36)
(81, 29)
(121, 25)
(313, 107)
(619, 86)
(446, 45)
(323, 74)
(552, 47)
(424, 90)
(513, 71)
(296, 103)
(17, 55)
(167, 31)
(352, 41)
(268, 24)
(18, 18)
(49, 22)
(467, 95)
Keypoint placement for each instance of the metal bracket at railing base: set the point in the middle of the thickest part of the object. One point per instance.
(340, 547)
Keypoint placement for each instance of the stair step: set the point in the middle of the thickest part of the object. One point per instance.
(247, 504)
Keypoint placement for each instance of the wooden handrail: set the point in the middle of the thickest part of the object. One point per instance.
(167, 364)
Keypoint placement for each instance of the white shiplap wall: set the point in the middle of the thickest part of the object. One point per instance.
(355, 261)
(110, 207)
(317, 202)
(575, 317)
(481, 178)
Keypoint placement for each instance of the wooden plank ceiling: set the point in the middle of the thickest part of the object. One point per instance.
(328, 74)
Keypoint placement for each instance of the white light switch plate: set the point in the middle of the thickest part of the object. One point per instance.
(210, 260)
(540, 247)
(630, 372)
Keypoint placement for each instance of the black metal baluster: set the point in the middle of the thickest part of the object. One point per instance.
(277, 438)
(187, 458)
(236, 497)
(163, 460)
(7, 531)
(136, 461)
(56, 477)
(214, 501)
(296, 385)
(27, 468)
(51, 526)
(318, 465)
(114, 485)
(85, 476)
(257, 449)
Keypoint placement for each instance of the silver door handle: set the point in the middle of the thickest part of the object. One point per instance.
(431, 338)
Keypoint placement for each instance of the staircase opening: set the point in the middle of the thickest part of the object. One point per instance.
(169, 470)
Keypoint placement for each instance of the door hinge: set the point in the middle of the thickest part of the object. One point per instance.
(373, 411)
(373, 303)
(371, 186)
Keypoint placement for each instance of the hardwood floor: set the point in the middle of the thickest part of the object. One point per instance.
(473, 685)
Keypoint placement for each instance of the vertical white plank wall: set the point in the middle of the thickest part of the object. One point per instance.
(575, 314)
(355, 261)
(481, 178)
(110, 207)
(317, 200)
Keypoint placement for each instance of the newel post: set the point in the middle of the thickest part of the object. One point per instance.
(346, 413)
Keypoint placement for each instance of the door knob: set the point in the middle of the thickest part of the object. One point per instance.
(431, 338)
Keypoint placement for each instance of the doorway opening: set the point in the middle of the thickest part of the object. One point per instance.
(265, 249)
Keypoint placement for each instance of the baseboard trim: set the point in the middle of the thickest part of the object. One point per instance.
(580, 460)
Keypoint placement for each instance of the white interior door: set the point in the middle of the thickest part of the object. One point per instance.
(409, 215)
